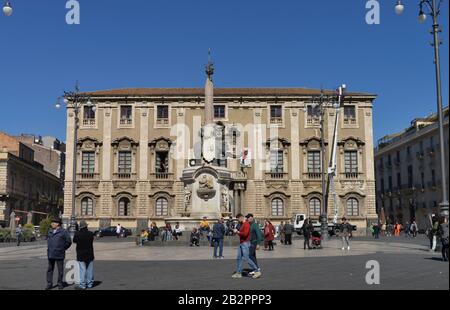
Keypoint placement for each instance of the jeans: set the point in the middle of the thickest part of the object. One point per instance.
(243, 254)
(51, 268)
(218, 244)
(86, 274)
(252, 254)
(345, 241)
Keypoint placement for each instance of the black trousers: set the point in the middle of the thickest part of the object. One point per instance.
(252, 254)
(270, 244)
(288, 239)
(445, 251)
(306, 243)
(51, 268)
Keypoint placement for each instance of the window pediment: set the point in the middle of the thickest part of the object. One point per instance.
(88, 143)
(351, 143)
(124, 143)
(312, 143)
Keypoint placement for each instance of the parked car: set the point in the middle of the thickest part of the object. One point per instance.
(111, 231)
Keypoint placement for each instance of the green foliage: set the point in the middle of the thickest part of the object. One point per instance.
(5, 234)
(44, 226)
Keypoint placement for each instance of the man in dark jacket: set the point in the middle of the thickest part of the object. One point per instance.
(217, 238)
(58, 242)
(288, 230)
(256, 237)
(307, 230)
(443, 232)
(85, 255)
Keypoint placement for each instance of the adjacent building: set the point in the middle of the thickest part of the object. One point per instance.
(128, 170)
(26, 187)
(408, 170)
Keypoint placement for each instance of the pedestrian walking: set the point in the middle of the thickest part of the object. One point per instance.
(288, 231)
(307, 230)
(376, 231)
(218, 237)
(118, 230)
(58, 241)
(443, 233)
(383, 229)
(256, 237)
(19, 234)
(269, 234)
(434, 233)
(84, 239)
(281, 231)
(397, 229)
(153, 231)
(346, 230)
(244, 248)
(414, 229)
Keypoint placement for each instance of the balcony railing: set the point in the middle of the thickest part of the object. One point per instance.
(276, 175)
(162, 176)
(313, 120)
(350, 121)
(88, 175)
(314, 175)
(276, 120)
(126, 121)
(162, 121)
(420, 155)
(123, 175)
(431, 151)
(351, 175)
(89, 122)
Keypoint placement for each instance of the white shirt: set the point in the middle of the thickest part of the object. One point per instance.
(118, 229)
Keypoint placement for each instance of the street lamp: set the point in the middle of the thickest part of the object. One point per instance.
(399, 8)
(75, 100)
(434, 11)
(7, 9)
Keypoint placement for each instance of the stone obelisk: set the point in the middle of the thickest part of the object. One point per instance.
(209, 143)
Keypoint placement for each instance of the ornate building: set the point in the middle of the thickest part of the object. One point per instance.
(148, 155)
(409, 174)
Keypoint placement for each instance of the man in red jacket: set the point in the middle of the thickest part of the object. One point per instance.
(244, 247)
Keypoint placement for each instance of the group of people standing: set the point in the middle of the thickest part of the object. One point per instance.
(58, 242)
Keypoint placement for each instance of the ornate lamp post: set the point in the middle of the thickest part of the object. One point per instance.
(7, 9)
(75, 99)
(434, 10)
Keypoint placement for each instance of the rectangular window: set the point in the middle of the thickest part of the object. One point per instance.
(350, 115)
(163, 112)
(276, 162)
(314, 162)
(390, 183)
(389, 160)
(433, 177)
(313, 114)
(126, 115)
(382, 186)
(219, 111)
(398, 157)
(399, 181)
(410, 176)
(124, 162)
(88, 162)
(408, 150)
(351, 161)
(162, 162)
(88, 112)
(422, 180)
(276, 114)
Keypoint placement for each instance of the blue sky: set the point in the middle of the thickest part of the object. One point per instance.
(256, 43)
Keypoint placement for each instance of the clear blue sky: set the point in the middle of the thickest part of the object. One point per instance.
(256, 43)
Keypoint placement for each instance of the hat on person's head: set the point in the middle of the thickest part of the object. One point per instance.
(57, 220)
(249, 216)
(83, 224)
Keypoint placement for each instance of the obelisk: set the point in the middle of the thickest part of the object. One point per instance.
(209, 143)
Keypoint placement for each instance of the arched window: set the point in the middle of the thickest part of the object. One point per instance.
(352, 207)
(87, 206)
(124, 207)
(162, 207)
(277, 207)
(314, 206)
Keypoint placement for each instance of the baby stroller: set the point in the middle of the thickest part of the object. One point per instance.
(316, 240)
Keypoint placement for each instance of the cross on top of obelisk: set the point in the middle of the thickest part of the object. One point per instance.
(209, 68)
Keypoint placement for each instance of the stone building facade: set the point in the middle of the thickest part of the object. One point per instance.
(408, 172)
(25, 187)
(128, 170)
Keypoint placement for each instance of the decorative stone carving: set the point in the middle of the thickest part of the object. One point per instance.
(187, 199)
(225, 201)
(206, 189)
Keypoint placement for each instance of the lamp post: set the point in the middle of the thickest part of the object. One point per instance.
(74, 99)
(7, 9)
(434, 9)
